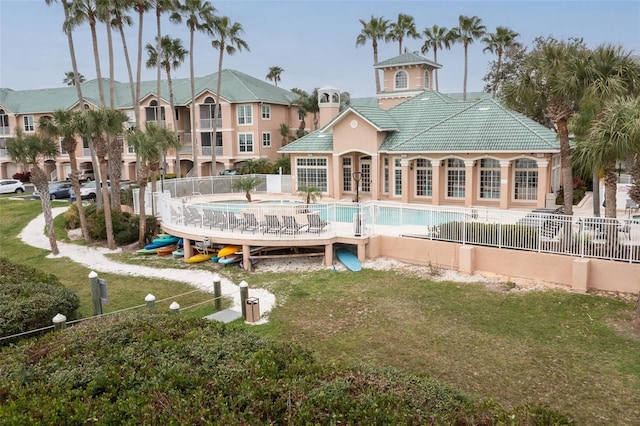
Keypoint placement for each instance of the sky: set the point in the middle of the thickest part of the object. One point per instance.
(313, 41)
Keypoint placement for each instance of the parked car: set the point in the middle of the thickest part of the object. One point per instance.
(88, 190)
(11, 186)
(85, 175)
(57, 190)
(230, 172)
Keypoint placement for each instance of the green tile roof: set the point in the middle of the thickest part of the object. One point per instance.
(432, 122)
(313, 142)
(407, 58)
(236, 87)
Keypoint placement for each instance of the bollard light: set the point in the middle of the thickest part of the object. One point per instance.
(244, 295)
(217, 292)
(59, 322)
(150, 299)
(175, 308)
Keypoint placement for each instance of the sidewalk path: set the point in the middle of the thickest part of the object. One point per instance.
(95, 259)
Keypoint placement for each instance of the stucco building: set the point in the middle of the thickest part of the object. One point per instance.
(413, 144)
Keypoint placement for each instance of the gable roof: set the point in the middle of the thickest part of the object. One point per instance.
(407, 58)
(236, 87)
(432, 122)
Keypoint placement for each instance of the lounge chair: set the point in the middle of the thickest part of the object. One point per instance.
(192, 216)
(214, 218)
(251, 223)
(272, 224)
(291, 225)
(232, 221)
(316, 224)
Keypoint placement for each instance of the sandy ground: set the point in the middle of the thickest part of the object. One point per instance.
(95, 259)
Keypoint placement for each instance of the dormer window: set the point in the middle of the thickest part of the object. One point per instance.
(401, 80)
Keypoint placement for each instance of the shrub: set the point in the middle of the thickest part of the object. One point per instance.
(22, 176)
(29, 299)
(152, 368)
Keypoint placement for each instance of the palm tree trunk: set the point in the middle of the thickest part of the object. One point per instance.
(375, 61)
(435, 59)
(172, 107)
(215, 112)
(497, 76)
(115, 150)
(610, 189)
(132, 86)
(565, 160)
(72, 152)
(111, 243)
(194, 143)
(595, 196)
(136, 101)
(142, 181)
(96, 57)
(464, 92)
(40, 181)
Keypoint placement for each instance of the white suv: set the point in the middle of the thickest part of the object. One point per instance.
(85, 175)
(88, 190)
(11, 186)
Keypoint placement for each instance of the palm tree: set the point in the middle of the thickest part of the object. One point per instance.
(310, 193)
(141, 7)
(246, 184)
(615, 135)
(374, 30)
(307, 103)
(605, 73)
(404, 26)
(274, 74)
(436, 38)
(63, 124)
(160, 6)
(70, 78)
(198, 16)
(172, 55)
(545, 84)
(82, 11)
(284, 132)
(226, 39)
(32, 150)
(120, 20)
(468, 30)
(497, 43)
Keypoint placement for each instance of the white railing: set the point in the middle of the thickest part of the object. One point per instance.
(542, 231)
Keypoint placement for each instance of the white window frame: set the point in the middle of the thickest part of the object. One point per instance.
(313, 171)
(525, 170)
(28, 123)
(266, 139)
(245, 115)
(397, 177)
(489, 177)
(456, 178)
(347, 174)
(401, 80)
(265, 111)
(423, 175)
(427, 79)
(62, 150)
(245, 141)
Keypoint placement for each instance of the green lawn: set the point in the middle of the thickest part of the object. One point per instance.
(575, 353)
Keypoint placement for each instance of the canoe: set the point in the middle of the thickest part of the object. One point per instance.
(166, 250)
(200, 257)
(231, 258)
(227, 250)
(349, 259)
(147, 251)
(165, 241)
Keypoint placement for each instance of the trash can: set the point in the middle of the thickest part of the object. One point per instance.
(253, 309)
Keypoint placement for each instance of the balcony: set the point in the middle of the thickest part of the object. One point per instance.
(161, 123)
(207, 123)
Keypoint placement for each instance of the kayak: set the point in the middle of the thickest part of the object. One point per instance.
(164, 251)
(200, 257)
(227, 250)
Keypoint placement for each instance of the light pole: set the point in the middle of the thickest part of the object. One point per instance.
(161, 170)
(356, 177)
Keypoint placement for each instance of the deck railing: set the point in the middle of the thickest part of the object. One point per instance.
(540, 231)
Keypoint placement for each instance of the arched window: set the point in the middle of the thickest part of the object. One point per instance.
(207, 110)
(401, 80)
(427, 83)
(424, 177)
(489, 178)
(455, 178)
(153, 113)
(4, 123)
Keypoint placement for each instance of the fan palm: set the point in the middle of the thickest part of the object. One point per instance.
(545, 84)
(32, 150)
(70, 78)
(374, 30)
(436, 38)
(119, 21)
(141, 7)
(404, 26)
(246, 184)
(468, 30)
(198, 15)
(226, 39)
(171, 56)
(310, 193)
(497, 43)
(274, 74)
(62, 124)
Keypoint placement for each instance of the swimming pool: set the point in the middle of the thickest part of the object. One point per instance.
(345, 213)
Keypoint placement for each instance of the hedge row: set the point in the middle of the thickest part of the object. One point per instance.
(152, 368)
(30, 298)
